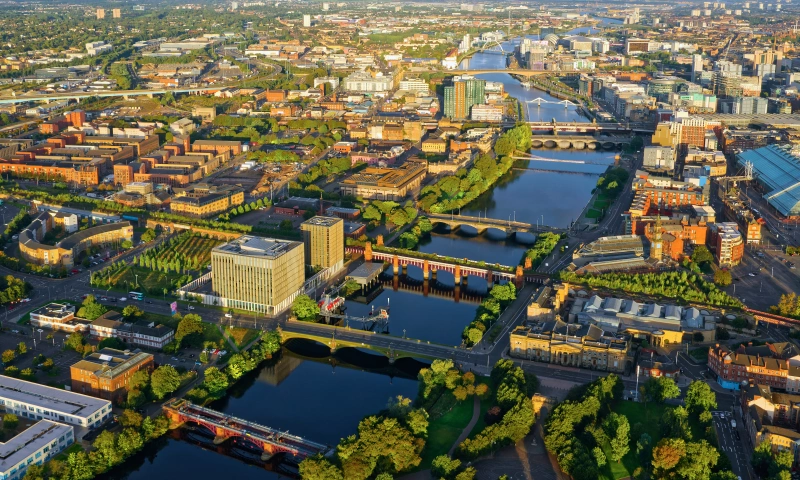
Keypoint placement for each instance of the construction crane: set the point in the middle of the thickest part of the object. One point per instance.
(747, 176)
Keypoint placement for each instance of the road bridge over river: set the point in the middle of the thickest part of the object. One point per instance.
(481, 224)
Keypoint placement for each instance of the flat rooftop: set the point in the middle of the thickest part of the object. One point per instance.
(322, 221)
(55, 399)
(366, 272)
(28, 442)
(55, 310)
(252, 246)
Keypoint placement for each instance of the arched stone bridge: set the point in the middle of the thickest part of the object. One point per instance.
(481, 224)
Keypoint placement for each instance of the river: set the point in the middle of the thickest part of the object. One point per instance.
(316, 398)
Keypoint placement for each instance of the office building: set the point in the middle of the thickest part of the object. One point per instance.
(116, 13)
(306, 21)
(657, 158)
(414, 85)
(141, 334)
(107, 373)
(204, 201)
(487, 113)
(100, 13)
(364, 82)
(258, 274)
(378, 183)
(697, 67)
(323, 238)
(58, 316)
(40, 402)
(96, 48)
(35, 445)
(462, 95)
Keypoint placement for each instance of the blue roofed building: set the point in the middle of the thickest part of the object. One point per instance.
(777, 169)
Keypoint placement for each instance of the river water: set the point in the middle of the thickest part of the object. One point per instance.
(316, 399)
(323, 401)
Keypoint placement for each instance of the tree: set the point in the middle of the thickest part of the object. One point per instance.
(444, 466)
(722, 278)
(79, 466)
(618, 429)
(130, 419)
(700, 458)
(112, 342)
(105, 454)
(9, 356)
(132, 311)
(667, 454)
(699, 397)
(305, 309)
(90, 309)
(662, 388)
(761, 459)
(10, 421)
(599, 456)
(701, 255)
(22, 348)
(319, 468)
(215, 380)
(164, 380)
(190, 324)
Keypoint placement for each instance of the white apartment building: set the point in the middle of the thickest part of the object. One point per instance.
(96, 48)
(487, 113)
(37, 444)
(40, 402)
(414, 85)
(364, 82)
(143, 334)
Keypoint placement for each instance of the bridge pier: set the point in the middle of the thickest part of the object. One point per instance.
(433, 274)
(368, 252)
(519, 277)
(457, 275)
(489, 279)
(425, 270)
(395, 265)
(405, 269)
(220, 439)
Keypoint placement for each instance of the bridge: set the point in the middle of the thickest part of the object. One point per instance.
(490, 272)
(77, 96)
(772, 318)
(593, 127)
(578, 142)
(223, 426)
(481, 224)
(524, 72)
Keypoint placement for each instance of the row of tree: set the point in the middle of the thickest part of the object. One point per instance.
(544, 245)
(514, 416)
(217, 381)
(500, 296)
(108, 450)
(683, 285)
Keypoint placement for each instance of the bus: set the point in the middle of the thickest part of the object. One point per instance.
(136, 295)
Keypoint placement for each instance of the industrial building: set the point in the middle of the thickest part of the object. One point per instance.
(777, 170)
(35, 445)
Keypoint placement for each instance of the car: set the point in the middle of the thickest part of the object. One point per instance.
(147, 301)
(751, 274)
(228, 315)
(112, 299)
(174, 359)
(191, 355)
(25, 300)
(191, 307)
(123, 299)
(14, 331)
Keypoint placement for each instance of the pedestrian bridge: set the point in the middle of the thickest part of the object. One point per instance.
(223, 426)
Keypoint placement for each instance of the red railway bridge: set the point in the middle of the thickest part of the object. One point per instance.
(772, 318)
(269, 440)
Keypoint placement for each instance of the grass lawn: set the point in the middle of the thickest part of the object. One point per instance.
(444, 430)
(74, 448)
(592, 213)
(242, 336)
(486, 404)
(649, 419)
(148, 279)
(601, 204)
(699, 354)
